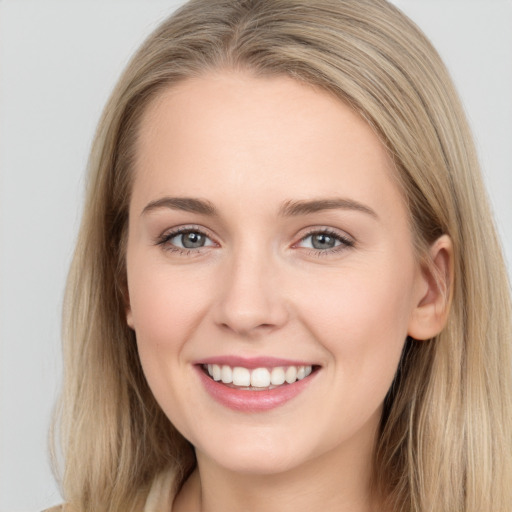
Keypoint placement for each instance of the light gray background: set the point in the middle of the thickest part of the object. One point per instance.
(58, 63)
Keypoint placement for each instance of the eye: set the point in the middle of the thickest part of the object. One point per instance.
(189, 240)
(185, 239)
(325, 241)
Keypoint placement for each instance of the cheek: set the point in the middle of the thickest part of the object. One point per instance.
(166, 306)
(361, 318)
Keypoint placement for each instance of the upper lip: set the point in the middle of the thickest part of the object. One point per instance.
(252, 362)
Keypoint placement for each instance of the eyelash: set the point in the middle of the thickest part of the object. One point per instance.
(345, 242)
(164, 239)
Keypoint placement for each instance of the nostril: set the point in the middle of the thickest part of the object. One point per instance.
(249, 300)
(247, 328)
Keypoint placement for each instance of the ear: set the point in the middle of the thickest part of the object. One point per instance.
(434, 291)
(126, 302)
(129, 317)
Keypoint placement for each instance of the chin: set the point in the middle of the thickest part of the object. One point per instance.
(258, 454)
(256, 463)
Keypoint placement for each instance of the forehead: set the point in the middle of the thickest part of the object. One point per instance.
(234, 133)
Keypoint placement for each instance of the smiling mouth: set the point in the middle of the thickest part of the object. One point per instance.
(257, 379)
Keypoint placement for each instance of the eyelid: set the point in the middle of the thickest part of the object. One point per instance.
(164, 238)
(346, 240)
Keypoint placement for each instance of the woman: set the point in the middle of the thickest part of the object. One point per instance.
(287, 290)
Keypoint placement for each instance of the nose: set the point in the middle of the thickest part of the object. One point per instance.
(250, 299)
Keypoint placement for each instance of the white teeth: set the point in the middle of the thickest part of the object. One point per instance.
(291, 374)
(258, 377)
(277, 376)
(216, 372)
(241, 376)
(226, 374)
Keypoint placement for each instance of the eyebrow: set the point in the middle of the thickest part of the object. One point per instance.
(288, 208)
(295, 208)
(186, 204)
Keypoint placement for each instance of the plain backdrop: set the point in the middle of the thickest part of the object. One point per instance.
(58, 62)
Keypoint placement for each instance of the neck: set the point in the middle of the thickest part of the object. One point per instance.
(339, 480)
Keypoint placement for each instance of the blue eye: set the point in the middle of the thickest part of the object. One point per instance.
(189, 240)
(325, 241)
(185, 239)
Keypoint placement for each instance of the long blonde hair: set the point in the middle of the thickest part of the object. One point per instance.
(445, 443)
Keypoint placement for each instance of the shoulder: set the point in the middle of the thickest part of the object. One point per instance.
(160, 497)
(162, 492)
(61, 508)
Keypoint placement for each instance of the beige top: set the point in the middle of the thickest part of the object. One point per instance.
(162, 492)
(160, 497)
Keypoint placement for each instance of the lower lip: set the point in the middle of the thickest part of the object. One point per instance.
(252, 401)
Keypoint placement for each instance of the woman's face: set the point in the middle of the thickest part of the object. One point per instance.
(267, 240)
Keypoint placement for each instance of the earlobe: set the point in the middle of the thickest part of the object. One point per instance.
(127, 306)
(129, 318)
(431, 312)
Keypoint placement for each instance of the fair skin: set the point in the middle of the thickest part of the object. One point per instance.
(333, 284)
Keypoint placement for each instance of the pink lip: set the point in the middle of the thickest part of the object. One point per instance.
(252, 401)
(251, 362)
